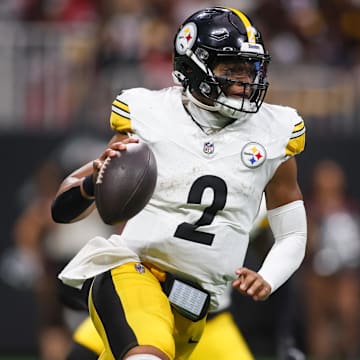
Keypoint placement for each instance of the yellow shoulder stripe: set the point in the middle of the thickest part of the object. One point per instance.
(299, 126)
(296, 143)
(121, 105)
(120, 117)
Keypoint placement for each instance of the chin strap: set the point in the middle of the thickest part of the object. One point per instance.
(230, 107)
(225, 106)
(208, 121)
(198, 103)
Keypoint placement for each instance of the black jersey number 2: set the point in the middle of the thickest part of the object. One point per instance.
(189, 231)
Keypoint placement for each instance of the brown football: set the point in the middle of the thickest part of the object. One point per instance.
(125, 183)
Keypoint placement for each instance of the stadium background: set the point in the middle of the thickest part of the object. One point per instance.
(62, 62)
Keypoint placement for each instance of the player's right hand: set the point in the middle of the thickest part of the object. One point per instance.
(117, 143)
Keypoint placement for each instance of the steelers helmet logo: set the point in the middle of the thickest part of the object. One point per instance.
(186, 37)
(253, 155)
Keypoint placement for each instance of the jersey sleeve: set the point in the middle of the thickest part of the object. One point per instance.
(296, 143)
(120, 119)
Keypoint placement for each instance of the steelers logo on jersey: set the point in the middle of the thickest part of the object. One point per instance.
(186, 38)
(253, 155)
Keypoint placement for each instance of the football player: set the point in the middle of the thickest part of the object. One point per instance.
(218, 148)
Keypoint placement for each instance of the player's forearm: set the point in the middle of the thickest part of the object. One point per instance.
(288, 224)
(75, 198)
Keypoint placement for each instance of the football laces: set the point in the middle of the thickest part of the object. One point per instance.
(102, 170)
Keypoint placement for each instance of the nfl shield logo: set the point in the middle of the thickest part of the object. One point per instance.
(139, 268)
(208, 147)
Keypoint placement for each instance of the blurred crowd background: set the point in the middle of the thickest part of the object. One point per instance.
(61, 64)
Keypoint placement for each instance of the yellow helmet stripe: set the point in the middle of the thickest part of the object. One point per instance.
(249, 28)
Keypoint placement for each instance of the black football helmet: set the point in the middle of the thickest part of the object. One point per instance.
(218, 35)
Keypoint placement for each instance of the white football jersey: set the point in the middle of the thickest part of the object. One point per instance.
(208, 191)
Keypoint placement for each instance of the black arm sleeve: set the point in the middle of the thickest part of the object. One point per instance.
(68, 205)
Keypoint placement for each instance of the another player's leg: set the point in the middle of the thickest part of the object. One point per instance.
(87, 343)
(221, 339)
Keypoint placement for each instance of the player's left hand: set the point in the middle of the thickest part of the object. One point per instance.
(251, 283)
